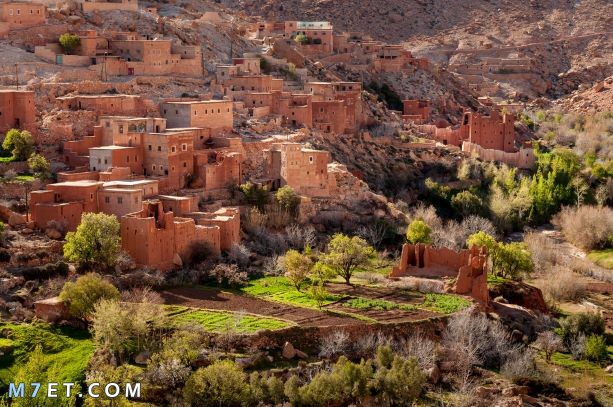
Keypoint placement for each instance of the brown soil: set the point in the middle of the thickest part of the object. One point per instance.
(213, 298)
(381, 293)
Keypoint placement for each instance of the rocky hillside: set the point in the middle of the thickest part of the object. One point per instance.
(559, 36)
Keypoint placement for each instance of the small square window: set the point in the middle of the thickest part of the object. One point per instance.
(107, 199)
(119, 200)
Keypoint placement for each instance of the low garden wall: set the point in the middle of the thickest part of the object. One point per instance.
(308, 339)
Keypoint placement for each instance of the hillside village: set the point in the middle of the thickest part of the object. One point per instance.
(271, 201)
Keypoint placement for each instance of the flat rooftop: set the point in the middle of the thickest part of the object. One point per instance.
(129, 182)
(195, 102)
(174, 198)
(113, 147)
(79, 183)
(105, 96)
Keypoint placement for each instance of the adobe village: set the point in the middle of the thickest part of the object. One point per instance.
(240, 203)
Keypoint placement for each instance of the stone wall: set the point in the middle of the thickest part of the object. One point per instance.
(308, 339)
(524, 158)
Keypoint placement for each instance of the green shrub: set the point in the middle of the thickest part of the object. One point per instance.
(401, 383)
(254, 195)
(221, 384)
(419, 232)
(84, 294)
(347, 382)
(287, 198)
(95, 242)
(20, 143)
(596, 349)
(69, 42)
(585, 323)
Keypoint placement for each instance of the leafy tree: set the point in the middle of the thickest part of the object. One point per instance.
(419, 232)
(301, 39)
(318, 292)
(287, 198)
(126, 328)
(39, 166)
(221, 384)
(345, 254)
(552, 184)
(511, 259)
(254, 195)
(297, 266)
(84, 294)
(69, 42)
(20, 143)
(482, 239)
(95, 242)
(467, 203)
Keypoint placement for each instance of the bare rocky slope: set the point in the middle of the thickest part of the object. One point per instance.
(560, 36)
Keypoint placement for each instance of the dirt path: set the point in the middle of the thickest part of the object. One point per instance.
(213, 298)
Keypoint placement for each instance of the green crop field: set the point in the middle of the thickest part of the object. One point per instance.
(444, 303)
(69, 349)
(219, 321)
(279, 289)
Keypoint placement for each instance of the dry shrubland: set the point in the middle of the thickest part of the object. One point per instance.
(587, 227)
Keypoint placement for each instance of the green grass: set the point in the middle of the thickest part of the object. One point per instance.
(367, 304)
(8, 159)
(444, 303)
(604, 258)
(25, 178)
(219, 321)
(494, 280)
(68, 348)
(279, 289)
(566, 360)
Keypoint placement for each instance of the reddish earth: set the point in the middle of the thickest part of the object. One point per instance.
(213, 298)
(381, 293)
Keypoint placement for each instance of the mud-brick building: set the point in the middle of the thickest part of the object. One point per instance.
(125, 105)
(305, 170)
(216, 115)
(107, 5)
(469, 267)
(21, 14)
(170, 155)
(496, 131)
(157, 238)
(417, 110)
(17, 110)
(65, 202)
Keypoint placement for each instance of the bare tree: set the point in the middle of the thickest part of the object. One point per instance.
(549, 343)
(334, 344)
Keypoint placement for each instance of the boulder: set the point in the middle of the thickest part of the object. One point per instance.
(53, 233)
(433, 374)
(142, 358)
(609, 369)
(16, 219)
(515, 391)
(289, 352)
(518, 293)
(26, 231)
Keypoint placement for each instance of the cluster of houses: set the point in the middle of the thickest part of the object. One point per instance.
(149, 162)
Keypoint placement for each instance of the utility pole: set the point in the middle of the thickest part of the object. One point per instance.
(16, 77)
